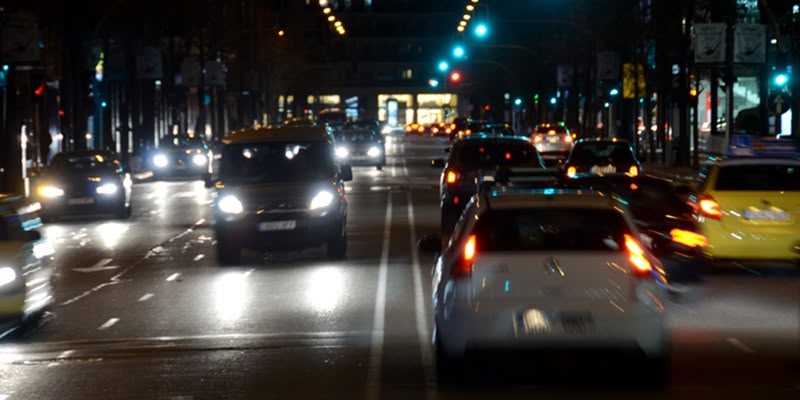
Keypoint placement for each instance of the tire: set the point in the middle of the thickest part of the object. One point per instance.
(336, 248)
(228, 253)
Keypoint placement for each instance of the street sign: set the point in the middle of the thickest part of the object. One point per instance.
(749, 44)
(633, 83)
(565, 75)
(215, 73)
(607, 65)
(20, 39)
(149, 63)
(754, 146)
(778, 100)
(709, 43)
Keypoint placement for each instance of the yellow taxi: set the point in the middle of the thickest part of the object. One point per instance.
(749, 208)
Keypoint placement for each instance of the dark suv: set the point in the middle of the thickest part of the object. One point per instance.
(280, 189)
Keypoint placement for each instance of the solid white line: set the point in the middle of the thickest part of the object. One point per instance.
(146, 296)
(423, 334)
(199, 257)
(405, 168)
(173, 277)
(376, 342)
(108, 324)
(741, 346)
(65, 354)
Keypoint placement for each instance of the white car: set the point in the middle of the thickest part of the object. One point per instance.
(543, 269)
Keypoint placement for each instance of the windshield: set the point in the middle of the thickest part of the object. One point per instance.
(489, 154)
(182, 142)
(277, 162)
(759, 178)
(87, 161)
(356, 136)
(592, 152)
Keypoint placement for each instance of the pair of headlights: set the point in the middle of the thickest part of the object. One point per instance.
(230, 204)
(343, 152)
(52, 192)
(161, 160)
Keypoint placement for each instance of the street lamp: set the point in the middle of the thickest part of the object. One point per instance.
(443, 66)
(459, 51)
(481, 30)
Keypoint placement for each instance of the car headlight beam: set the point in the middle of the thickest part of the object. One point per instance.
(230, 205)
(7, 275)
(199, 159)
(321, 200)
(160, 160)
(374, 152)
(51, 192)
(107, 188)
(342, 152)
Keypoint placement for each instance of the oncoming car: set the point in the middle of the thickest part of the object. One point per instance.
(546, 269)
(26, 272)
(279, 189)
(182, 156)
(84, 182)
(749, 208)
(357, 146)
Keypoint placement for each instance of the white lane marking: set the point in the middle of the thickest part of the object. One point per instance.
(739, 345)
(173, 277)
(199, 257)
(405, 168)
(145, 297)
(65, 354)
(108, 324)
(98, 266)
(376, 342)
(249, 272)
(423, 334)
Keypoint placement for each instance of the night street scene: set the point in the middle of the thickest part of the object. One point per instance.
(399, 199)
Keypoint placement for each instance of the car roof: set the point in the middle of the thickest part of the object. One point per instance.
(550, 198)
(261, 134)
(493, 138)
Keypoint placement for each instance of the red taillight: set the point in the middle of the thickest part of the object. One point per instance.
(709, 207)
(633, 170)
(464, 266)
(451, 177)
(637, 256)
(456, 200)
(688, 238)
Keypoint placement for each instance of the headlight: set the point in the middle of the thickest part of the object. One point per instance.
(108, 188)
(342, 152)
(373, 152)
(199, 159)
(160, 161)
(230, 205)
(386, 130)
(50, 191)
(7, 275)
(321, 200)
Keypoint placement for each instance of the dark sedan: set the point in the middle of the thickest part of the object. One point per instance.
(182, 156)
(602, 157)
(83, 183)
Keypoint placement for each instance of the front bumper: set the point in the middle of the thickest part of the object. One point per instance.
(310, 229)
(68, 206)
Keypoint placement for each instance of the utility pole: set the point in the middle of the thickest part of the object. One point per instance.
(730, 79)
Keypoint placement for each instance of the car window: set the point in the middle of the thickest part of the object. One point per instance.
(602, 152)
(282, 161)
(544, 229)
(66, 161)
(557, 129)
(182, 142)
(489, 154)
(356, 136)
(758, 177)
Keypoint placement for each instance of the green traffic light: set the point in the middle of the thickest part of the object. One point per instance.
(458, 51)
(781, 79)
(481, 30)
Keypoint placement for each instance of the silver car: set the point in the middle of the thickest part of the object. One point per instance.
(552, 140)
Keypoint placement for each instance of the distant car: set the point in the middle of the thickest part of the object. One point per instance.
(552, 140)
(279, 189)
(749, 208)
(84, 182)
(415, 129)
(26, 271)
(602, 157)
(467, 157)
(356, 146)
(666, 223)
(182, 156)
(547, 270)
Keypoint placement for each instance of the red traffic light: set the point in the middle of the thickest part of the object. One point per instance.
(39, 90)
(455, 76)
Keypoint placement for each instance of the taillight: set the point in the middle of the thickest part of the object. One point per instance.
(464, 266)
(451, 177)
(537, 139)
(688, 238)
(637, 256)
(709, 207)
(571, 171)
(568, 139)
(633, 170)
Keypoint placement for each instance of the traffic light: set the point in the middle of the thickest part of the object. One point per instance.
(443, 66)
(481, 30)
(455, 77)
(458, 51)
(780, 79)
(433, 83)
(536, 98)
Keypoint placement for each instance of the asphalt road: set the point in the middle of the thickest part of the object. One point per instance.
(145, 312)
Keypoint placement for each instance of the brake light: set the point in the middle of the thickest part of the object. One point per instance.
(464, 266)
(571, 171)
(637, 256)
(709, 207)
(537, 139)
(633, 170)
(452, 177)
(688, 238)
(551, 132)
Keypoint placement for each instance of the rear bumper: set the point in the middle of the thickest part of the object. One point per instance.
(772, 243)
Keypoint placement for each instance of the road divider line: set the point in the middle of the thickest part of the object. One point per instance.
(199, 257)
(423, 333)
(173, 277)
(739, 345)
(145, 297)
(379, 318)
(108, 324)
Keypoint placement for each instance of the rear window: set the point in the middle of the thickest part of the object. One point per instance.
(489, 154)
(759, 177)
(546, 130)
(602, 151)
(563, 229)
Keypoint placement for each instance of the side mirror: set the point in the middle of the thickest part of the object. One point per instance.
(346, 173)
(431, 243)
(437, 163)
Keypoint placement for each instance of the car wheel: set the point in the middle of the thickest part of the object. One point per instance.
(449, 369)
(228, 253)
(336, 248)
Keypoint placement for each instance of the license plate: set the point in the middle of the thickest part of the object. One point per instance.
(536, 322)
(553, 140)
(765, 215)
(276, 226)
(577, 323)
(80, 200)
(608, 169)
